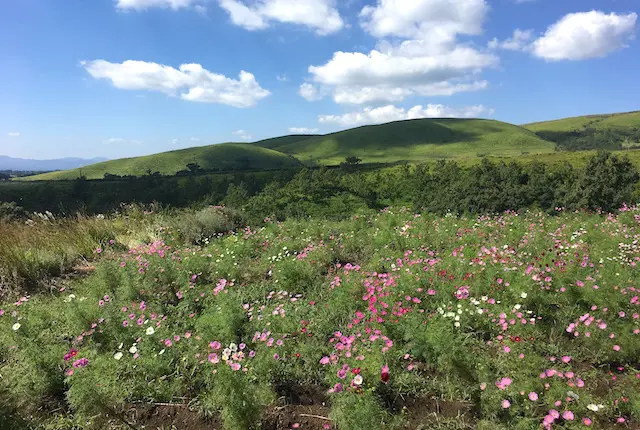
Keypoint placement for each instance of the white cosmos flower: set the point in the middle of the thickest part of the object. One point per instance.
(16, 326)
(150, 331)
(233, 347)
(117, 355)
(523, 295)
(357, 380)
(133, 349)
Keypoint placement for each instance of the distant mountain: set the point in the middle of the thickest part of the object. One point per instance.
(24, 164)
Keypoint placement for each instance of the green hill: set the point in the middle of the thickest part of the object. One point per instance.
(610, 132)
(414, 140)
(598, 122)
(224, 156)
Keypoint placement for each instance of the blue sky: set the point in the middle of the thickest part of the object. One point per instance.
(118, 78)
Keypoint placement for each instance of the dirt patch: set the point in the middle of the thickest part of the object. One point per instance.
(309, 417)
(297, 394)
(421, 411)
(169, 417)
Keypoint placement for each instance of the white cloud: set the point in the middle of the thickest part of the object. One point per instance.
(191, 81)
(390, 113)
(146, 4)
(518, 42)
(242, 134)
(435, 21)
(393, 75)
(320, 15)
(303, 130)
(310, 92)
(390, 94)
(428, 62)
(13, 134)
(584, 35)
(194, 139)
(119, 140)
(174, 141)
(282, 78)
(202, 10)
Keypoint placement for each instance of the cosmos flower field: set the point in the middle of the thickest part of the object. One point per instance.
(390, 320)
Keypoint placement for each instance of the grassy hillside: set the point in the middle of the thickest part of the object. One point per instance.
(414, 140)
(598, 122)
(225, 156)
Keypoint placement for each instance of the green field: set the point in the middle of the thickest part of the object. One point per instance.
(466, 140)
(225, 156)
(415, 140)
(600, 122)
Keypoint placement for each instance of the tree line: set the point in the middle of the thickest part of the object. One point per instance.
(605, 182)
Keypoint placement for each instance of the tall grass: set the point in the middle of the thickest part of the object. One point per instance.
(42, 247)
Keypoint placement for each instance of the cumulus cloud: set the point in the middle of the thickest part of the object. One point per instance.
(436, 21)
(319, 15)
(303, 130)
(428, 62)
(119, 140)
(146, 4)
(310, 92)
(242, 134)
(13, 134)
(584, 35)
(518, 42)
(390, 113)
(190, 81)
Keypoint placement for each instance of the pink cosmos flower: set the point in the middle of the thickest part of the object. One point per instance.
(324, 360)
(566, 359)
(235, 366)
(506, 404)
(83, 362)
(587, 421)
(616, 347)
(503, 383)
(533, 396)
(568, 415)
(342, 373)
(215, 345)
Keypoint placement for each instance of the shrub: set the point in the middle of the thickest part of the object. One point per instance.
(202, 226)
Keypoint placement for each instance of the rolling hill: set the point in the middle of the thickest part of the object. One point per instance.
(413, 140)
(224, 156)
(598, 122)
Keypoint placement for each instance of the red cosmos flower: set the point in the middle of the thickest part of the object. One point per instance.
(515, 338)
(384, 374)
(355, 371)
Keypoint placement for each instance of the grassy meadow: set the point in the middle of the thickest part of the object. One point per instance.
(224, 156)
(386, 320)
(412, 141)
(604, 121)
